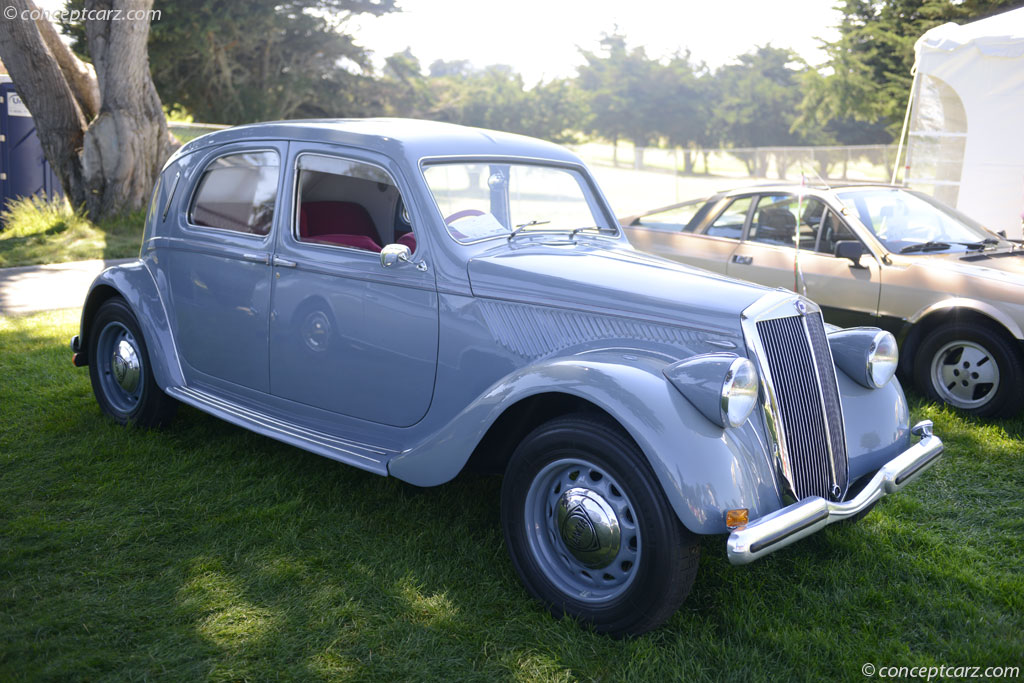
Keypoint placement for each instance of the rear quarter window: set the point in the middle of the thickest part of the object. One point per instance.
(237, 192)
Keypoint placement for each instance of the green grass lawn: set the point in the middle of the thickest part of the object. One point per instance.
(207, 552)
(40, 231)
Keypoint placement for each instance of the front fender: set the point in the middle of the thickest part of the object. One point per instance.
(134, 282)
(703, 469)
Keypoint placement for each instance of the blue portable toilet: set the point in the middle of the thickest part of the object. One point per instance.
(24, 170)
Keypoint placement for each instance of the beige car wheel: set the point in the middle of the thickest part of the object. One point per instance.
(973, 368)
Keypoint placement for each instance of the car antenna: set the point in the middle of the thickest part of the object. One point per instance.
(820, 179)
(799, 285)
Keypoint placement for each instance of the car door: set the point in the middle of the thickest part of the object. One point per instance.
(348, 335)
(677, 235)
(848, 293)
(766, 254)
(217, 264)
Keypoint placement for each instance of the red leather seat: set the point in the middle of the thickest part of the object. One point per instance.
(344, 223)
(409, 240)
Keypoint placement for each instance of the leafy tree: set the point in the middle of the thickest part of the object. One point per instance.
(867, 75)
(238, 62)
(621, 86)
(757, 101)
(685, 100)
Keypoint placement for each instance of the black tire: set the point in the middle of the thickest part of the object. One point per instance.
(139, 402)
(955, 365)
(626, 588)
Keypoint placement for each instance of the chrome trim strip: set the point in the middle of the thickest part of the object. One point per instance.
(782, 527)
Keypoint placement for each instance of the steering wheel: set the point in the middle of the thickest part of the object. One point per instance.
(465, 213)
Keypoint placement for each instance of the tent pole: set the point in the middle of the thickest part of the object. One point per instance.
(905, 133)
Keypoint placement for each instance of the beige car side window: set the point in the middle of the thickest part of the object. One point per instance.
(730, 223)
(833, 230)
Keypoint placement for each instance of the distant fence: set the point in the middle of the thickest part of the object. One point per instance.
(849, 162)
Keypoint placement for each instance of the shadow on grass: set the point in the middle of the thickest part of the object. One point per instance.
(205, 551)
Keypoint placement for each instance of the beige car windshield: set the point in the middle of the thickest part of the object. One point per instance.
(910, 222)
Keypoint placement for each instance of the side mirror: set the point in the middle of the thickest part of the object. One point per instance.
(850, 249)
(393, 253)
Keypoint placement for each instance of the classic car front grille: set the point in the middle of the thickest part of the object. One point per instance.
(811, 418)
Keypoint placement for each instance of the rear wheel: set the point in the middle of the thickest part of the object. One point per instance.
(976, 369)
(119, 368)
(589, 530)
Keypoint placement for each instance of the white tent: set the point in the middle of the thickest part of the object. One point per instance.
(965, 141)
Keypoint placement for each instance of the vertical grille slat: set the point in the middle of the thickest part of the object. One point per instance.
(810, 412)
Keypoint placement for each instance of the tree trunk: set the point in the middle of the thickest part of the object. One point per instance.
(111, 164)
(80, 77)
(688, 162)
(127, 144)
(59, 121)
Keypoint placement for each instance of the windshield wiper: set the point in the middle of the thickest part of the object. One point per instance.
(576, 231)
(925, 246)
(523, 226)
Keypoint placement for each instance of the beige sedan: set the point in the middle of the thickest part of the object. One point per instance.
(951, 291)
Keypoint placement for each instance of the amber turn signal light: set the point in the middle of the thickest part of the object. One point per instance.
(736, 518)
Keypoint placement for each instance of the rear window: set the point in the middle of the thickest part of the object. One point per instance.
(237, 192)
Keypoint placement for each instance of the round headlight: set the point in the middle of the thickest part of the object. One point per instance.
(883, 357)
(739, 392)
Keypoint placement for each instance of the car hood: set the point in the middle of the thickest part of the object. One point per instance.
(1001, 268)
(612, 280)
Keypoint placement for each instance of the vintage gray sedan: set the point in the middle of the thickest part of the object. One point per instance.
(413, 298)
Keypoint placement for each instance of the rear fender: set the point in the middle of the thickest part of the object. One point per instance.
(135, 284)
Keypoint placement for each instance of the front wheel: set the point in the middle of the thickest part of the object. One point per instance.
(976, 369)
(119, 368)
(589, 530)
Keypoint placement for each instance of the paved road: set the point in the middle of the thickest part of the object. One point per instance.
(41, 288)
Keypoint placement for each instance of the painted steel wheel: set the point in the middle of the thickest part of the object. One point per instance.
(974, 368)
(119, 368)
(589, 530)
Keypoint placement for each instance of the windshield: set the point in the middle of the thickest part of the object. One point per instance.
(911, 222)
(484, 200)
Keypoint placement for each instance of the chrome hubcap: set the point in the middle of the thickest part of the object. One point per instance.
(965, 374)
(582, 530)
(119, 361)
(125, 366)
(588, 526)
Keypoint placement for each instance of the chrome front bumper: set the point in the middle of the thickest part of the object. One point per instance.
(782, 527)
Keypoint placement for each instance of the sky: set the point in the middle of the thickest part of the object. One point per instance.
(540, 38)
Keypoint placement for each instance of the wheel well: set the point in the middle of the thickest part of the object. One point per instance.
(951, 316)
(96, 298)
(494, 450)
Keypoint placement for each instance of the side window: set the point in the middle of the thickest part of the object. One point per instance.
(350, 204)
(676, 219)
(777, 217)
(833, 230)
(730, 223)
(237, 192)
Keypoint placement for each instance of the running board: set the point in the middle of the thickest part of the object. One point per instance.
(363, 456)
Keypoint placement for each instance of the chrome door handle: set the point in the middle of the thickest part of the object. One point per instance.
(742, 260)
(257, 258)
(284, 263)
